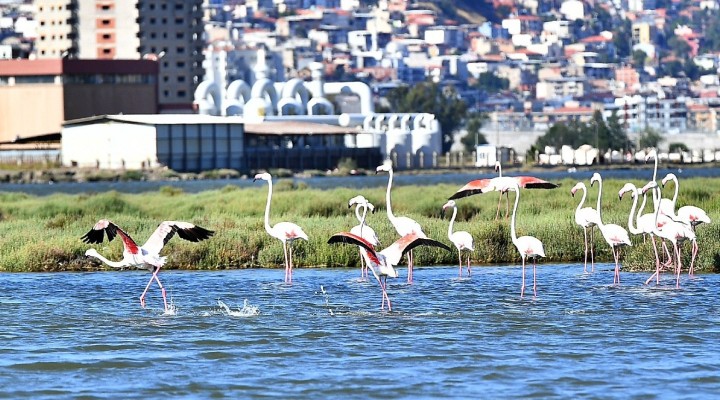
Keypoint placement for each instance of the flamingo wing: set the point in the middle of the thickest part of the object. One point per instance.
(473, 187)
(395, 251)
(167, 229)
(107, 227)
(351, 238)
(531, 182)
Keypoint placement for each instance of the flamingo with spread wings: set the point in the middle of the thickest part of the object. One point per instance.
(147, 255)
(382, 263)
(286, 232)
(501, 184)
(529, 247)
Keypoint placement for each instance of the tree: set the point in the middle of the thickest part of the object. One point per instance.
(427, 97)
(491, 83)
(474, 137)
(649, 138)
(677, 147)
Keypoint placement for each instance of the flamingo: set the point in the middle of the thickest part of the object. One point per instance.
(286, 232)
(527, 246)
(587, 218)
(147, 255)
(363, 230)
(403, 225)
(645, 224)
(461, 239)
(673, 231)
(382, 263)
(689, 215)
(615, 235)
(500, 184)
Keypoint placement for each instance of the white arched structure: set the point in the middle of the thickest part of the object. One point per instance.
(237, 94)
(207, 98)
(263, 100)
(294, 95)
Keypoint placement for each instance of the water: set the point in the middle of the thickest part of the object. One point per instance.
(357, 182)
(244, 334)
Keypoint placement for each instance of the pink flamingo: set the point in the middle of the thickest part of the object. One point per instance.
(673, 231)
(362, 229)
(147, 255)
(500, 184)
(615, 235)
(690, 215)
(286, 232)
(529, 247)
(587, 218)
(645, 224)
(382, 263)
(403, 225)
(664, 204)
(462, 240)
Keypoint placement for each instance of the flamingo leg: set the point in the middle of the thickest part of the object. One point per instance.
(468, 264)
(679, 266)
(585, 236)
(507, 205)
(362, 267)
(592, 249)
(460, 263)
(162, 290)
(410, 267)
(656, 275)
(692, 258)
(497, 212)
(534, 280)
(522, 288)
(290, 262)
(285, 253)
(616, 255)
(142, 296)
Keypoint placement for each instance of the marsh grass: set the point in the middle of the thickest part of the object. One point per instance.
(43, 233)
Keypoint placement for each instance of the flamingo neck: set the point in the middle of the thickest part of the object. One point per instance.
(655, 200)
(642, 208)
(582, 199)
(513, 235)
(390, 214)
(633, 229)
(657, 207)
(599, 202)
(452, 221)
(499, 168)
(268, 228)
(114, 264)
(357, 213)
(362, 219)
(675, 196)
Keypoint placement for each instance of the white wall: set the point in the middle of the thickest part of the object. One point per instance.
(109, 145)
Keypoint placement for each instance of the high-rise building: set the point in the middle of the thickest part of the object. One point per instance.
(169, 31)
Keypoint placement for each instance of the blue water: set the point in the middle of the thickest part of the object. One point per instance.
(363, 181)
(70, 335)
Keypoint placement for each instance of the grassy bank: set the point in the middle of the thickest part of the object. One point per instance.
(43, 233)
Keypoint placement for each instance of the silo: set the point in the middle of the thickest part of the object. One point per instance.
(398, 144)
(426, 140)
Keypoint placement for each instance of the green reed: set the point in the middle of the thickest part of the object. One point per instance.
(42, 233)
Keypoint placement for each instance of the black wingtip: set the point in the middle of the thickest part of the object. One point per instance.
(465, 193)
(541, 185)
(93, 236)
(195, 234)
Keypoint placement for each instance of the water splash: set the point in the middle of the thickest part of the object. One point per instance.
(247, 309)
(327, 299)
(172, 308)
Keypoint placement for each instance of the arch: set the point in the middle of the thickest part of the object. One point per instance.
(265, 90)
(290, 102)
(320, 102)
(237, 94)
(296, 87)
(207, 98)
(361, 89)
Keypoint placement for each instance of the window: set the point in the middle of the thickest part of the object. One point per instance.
(106, 36)
(181, 78)
(181, 93)
(166, 93)
(181, 50)
(178, 6)
(105, 22)
(166, 78)
(152, 21)
(152, 35)
(106, 51)
(180, 64)
(180, 35)
(179, 21)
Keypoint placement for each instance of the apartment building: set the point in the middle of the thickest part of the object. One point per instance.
(167, 30)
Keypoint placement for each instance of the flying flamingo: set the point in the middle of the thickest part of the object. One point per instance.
(363, 230)
(403, 225)
(500, 184)
(615, 235)
(587, 218)
(673, 231)
(529, 247)
(645, 224)
(690, 215)
(382, 263)
(286, 232)
(461, 239)
(147, 255)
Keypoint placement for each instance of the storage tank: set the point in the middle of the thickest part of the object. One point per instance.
(398, 144)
